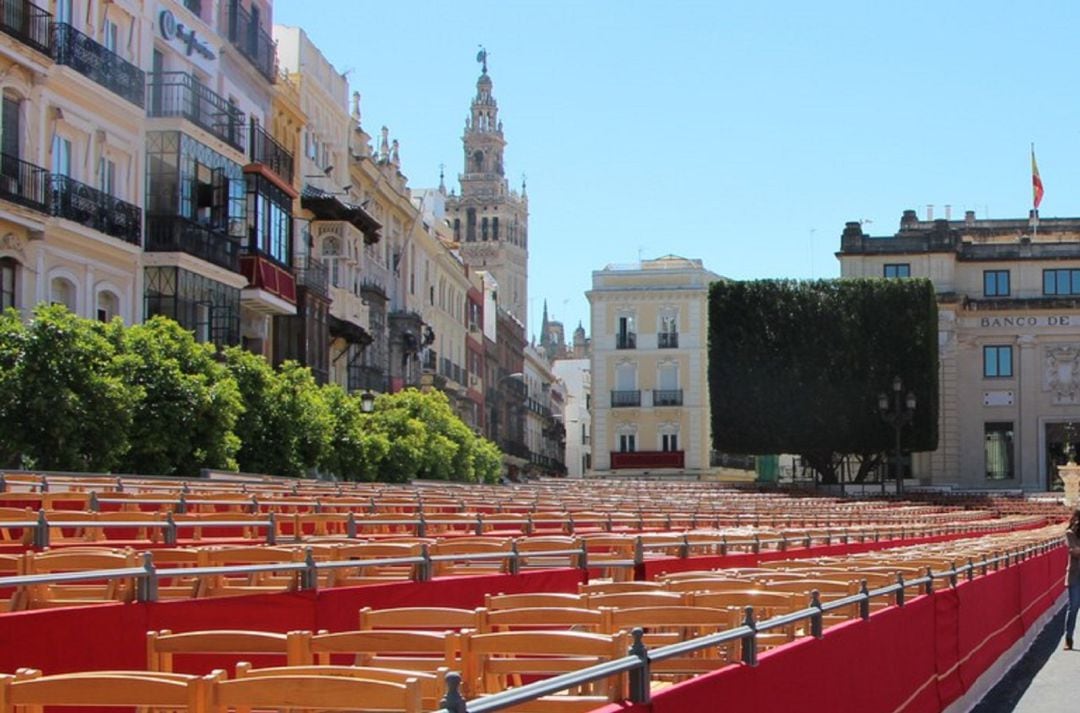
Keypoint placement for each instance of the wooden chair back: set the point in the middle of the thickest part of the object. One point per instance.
(385, 648)
(535, 618)
(109, 688)
(162, 646)
(432, 685)
(287, 692)
(432, 618)
(532, 599)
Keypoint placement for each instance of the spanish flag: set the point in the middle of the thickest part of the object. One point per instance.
(1036, 182)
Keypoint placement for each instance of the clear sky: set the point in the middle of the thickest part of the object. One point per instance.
(741, 133)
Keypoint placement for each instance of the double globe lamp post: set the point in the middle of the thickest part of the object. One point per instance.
(897, 415)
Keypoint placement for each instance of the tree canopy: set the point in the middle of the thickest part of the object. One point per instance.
(796, 367)
(77, 394)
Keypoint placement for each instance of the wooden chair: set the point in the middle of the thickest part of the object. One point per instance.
(711, 584)
(533, 618)
(491, 662)
(374, 574)
(461, 548)
(637, 599)
(162, 646)
(287, 692)
(432, 685)
(669, 625)
(383, 648)
(532, 599)
(10, 566)
(431, 618)
(256, 583)
(42, 596)
(11, 534)
(31, 691)
(534, 552)
(619, 587)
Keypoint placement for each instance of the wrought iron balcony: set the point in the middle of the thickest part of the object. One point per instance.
(667, 397)
(175, 234)
(622, 399)
(627, 340)
(647, 459)
(94, 61)
(667, 340)
(24, 183)
(312, 274)
(266, 150)
(183, 95)
(364, 377)
(95, 209)
(253, 41)
(27, 23)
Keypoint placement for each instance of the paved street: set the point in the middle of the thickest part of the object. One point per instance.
(1045, 680)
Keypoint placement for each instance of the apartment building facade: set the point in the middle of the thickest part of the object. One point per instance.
(650, 405)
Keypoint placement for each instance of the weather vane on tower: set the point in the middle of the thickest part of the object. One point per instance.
(481, 57)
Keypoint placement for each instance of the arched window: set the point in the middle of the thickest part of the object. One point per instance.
(478, 161)
(62, 292)
(457, 229)
(470, 225)
(484, 228)
(9, 273)
(108, 306)
(495, 228)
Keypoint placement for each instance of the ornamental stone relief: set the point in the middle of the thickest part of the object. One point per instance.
(1061, 373)
(12, 243)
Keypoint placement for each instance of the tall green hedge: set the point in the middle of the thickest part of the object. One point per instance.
(796, 367)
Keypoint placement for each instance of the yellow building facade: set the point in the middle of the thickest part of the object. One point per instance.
(650, 405)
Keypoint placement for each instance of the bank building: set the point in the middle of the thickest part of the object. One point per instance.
(1009, 341)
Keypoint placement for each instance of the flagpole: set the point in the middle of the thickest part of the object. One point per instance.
(1034, 199)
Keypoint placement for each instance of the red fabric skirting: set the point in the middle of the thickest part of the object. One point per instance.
(916, 659)
(113, 636)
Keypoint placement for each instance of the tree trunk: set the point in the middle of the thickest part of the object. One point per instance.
(867, 462)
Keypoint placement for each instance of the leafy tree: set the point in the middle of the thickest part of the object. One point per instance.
(189, 402)
(286, 426)
(427, 440)
(796, 367)
(355, 450)
(62, 403)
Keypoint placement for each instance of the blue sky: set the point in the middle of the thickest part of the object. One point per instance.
(744, 134)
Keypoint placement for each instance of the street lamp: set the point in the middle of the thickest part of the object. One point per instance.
(367, 401)
(900, 414)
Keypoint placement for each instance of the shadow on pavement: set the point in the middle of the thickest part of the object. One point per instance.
(1004, 697)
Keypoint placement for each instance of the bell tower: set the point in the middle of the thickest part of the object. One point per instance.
(491, 221)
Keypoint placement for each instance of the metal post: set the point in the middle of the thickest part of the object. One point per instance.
(864, 603)
(929, 581)
(423, 570)
(583, 557)
(271, 530)
(684, 548)
(900, 591)
(749, 641)
(640, 676)
(453, 701)
(170, 529)
(181, 505)
(639, 550)
(529, 529)
(3, 483)
(41, 532)
(146, 588)
(723, 544)
(43, 487)
(350, 526)
(309, 578)
(952, 575)
(479, 527)
(253, 505)
(514, 563)
(816, 621)
(421, 525)
(318, 505)
(93, 504)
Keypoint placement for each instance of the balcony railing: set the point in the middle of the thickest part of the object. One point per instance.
(647, 459)
(252, 40)
(24, 183)
(174, 234)
(621, 399)
(94, 61)
(266, 150)
(27, 23)
(181, 94)
(667, 397)
(363, 377)
(312, 274)
(627, 340)
(95, 209)
(267, 274)
(430, 361)
(667, 340)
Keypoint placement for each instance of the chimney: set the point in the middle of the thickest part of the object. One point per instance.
(969, 217)
(948, 211)
(852, 229)
(908, 218)
(929, 211)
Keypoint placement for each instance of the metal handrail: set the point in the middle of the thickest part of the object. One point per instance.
(637, 663)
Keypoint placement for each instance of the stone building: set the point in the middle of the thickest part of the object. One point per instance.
(650, 411)
(1009, 340)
